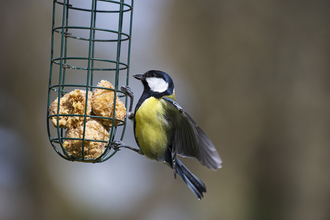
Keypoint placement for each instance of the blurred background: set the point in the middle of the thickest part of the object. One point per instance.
(253, 74)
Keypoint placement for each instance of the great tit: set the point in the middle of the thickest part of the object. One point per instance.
(164, 130)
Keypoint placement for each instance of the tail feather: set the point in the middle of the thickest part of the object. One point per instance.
(194, 184)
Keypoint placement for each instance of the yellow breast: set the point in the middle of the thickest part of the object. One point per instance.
(151, 129)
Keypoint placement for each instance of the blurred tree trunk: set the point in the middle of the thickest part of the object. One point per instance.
(266, 67)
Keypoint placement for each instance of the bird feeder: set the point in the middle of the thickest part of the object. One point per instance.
(90, 58)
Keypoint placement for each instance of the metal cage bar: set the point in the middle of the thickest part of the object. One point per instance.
(68, 66)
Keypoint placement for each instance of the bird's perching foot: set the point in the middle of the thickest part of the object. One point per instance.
(116, 145)
(128, 91)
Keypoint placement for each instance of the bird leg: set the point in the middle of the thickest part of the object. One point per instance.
(116, 145)
(128, 91)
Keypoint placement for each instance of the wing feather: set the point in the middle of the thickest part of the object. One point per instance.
(191, 141)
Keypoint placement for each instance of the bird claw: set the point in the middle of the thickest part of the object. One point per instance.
(117, 145)
(128, 91)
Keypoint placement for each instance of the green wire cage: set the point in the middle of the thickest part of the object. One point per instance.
(91, 42)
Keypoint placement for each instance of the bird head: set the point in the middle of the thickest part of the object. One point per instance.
(156, 82)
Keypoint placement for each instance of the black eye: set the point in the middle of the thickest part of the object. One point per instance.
(153, 74)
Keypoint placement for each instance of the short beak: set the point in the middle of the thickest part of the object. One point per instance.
(138, 76)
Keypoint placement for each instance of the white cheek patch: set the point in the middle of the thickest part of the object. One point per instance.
(157, 84)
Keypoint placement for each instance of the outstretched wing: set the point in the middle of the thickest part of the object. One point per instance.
(191, 141)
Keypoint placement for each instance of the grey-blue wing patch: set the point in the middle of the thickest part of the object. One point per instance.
(191, 141)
